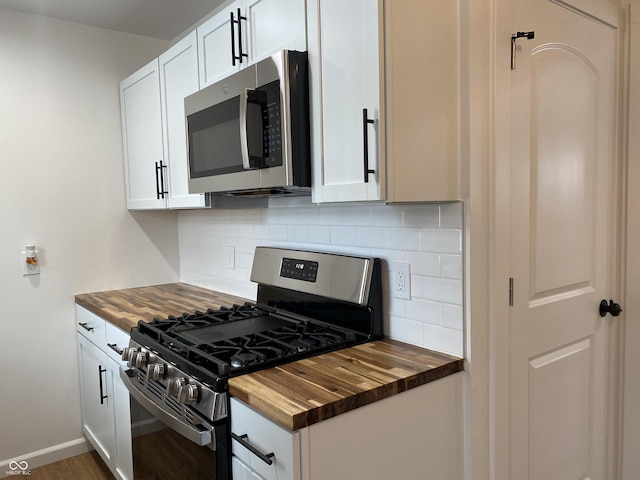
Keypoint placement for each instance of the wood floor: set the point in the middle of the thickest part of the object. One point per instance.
(88, 466)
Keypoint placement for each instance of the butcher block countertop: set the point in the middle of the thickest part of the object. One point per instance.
(301, 393)
(297, 394)
(125, 307)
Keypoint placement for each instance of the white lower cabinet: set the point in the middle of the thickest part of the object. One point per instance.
(415, 434)
(271, 441)
(104, 400)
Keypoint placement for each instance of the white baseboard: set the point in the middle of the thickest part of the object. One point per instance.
(24, 463)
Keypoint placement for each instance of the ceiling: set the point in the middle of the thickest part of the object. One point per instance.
(163, 19)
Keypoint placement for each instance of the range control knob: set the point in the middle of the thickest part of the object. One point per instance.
(174, 385)
(156, 371)
(127, 352)
(188, 394)
(138, 359)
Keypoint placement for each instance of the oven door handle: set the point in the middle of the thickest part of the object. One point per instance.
(244, 134)
(195, 435)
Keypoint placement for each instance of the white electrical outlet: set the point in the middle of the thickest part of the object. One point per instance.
(400, 281)
(30, 264)
(231, 256)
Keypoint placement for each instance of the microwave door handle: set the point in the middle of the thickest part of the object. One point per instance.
(244, 140)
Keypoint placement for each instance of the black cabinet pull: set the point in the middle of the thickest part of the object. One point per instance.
(241, 439)
(233, 41)
(114, 347)
(240, 55)
(157, 182)
(86, 327)
(365, 139)
(160, 191)
(102, 395)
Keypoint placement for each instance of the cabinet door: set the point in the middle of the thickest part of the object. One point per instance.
(96, 389)
(242, 472)
(178, 79)
(122, 423)
(344, 51)
(215, 46)
(274, 25)
(142, 137)
(266, 437)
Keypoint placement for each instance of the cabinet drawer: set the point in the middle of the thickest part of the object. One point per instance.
(91, 326)
(116, 340)
(266, 437)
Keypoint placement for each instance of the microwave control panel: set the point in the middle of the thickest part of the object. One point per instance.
(271, 126)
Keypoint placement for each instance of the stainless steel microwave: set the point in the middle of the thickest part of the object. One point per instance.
(248, 135)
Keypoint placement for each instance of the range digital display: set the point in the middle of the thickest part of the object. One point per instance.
(304, 270)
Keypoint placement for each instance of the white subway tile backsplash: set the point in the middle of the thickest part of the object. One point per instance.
(423, 263)
(356, 216)
(443, 290)
(452, 316)
(403, 238)
(428, 237)
(425, 311)
(451, 215)
(451, 266)
(446, 340)
(421, 216)
(406, 330)
(371, 237)
(441, 240)
(343, 235)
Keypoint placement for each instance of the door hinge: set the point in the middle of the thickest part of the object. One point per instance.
(511, 291)
(514, 37)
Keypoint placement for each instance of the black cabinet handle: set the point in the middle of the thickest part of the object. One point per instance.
(86, 327)
(160, 191)
(102, 395)
(233, 41)
(365, 139)
(114, 347)
(266, 458)
(157, 182)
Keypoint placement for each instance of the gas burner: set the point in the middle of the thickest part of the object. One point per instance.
(302, 344)
(243, 359)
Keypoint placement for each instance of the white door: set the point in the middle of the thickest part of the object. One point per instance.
(96, 387)
(142, 137)
(274, 25)
(216, 47)
(178, 79)
(563, 122)
(344, 49)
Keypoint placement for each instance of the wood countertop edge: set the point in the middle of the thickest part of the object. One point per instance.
(303, 416)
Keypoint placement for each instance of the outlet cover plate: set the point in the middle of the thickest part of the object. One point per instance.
(400, 280)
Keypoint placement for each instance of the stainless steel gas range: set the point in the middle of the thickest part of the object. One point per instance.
(178, 367)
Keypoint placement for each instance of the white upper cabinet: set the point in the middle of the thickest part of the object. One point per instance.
(398, 61)
(247, 31)
(178, 79)
(348, 153)
(153, 130)
(142, 137)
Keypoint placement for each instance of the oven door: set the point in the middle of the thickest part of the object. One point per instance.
(166, 447)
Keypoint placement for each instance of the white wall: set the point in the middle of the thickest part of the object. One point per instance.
(428, 237)
(62, 188)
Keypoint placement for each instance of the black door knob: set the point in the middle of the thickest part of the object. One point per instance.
(611, 307)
